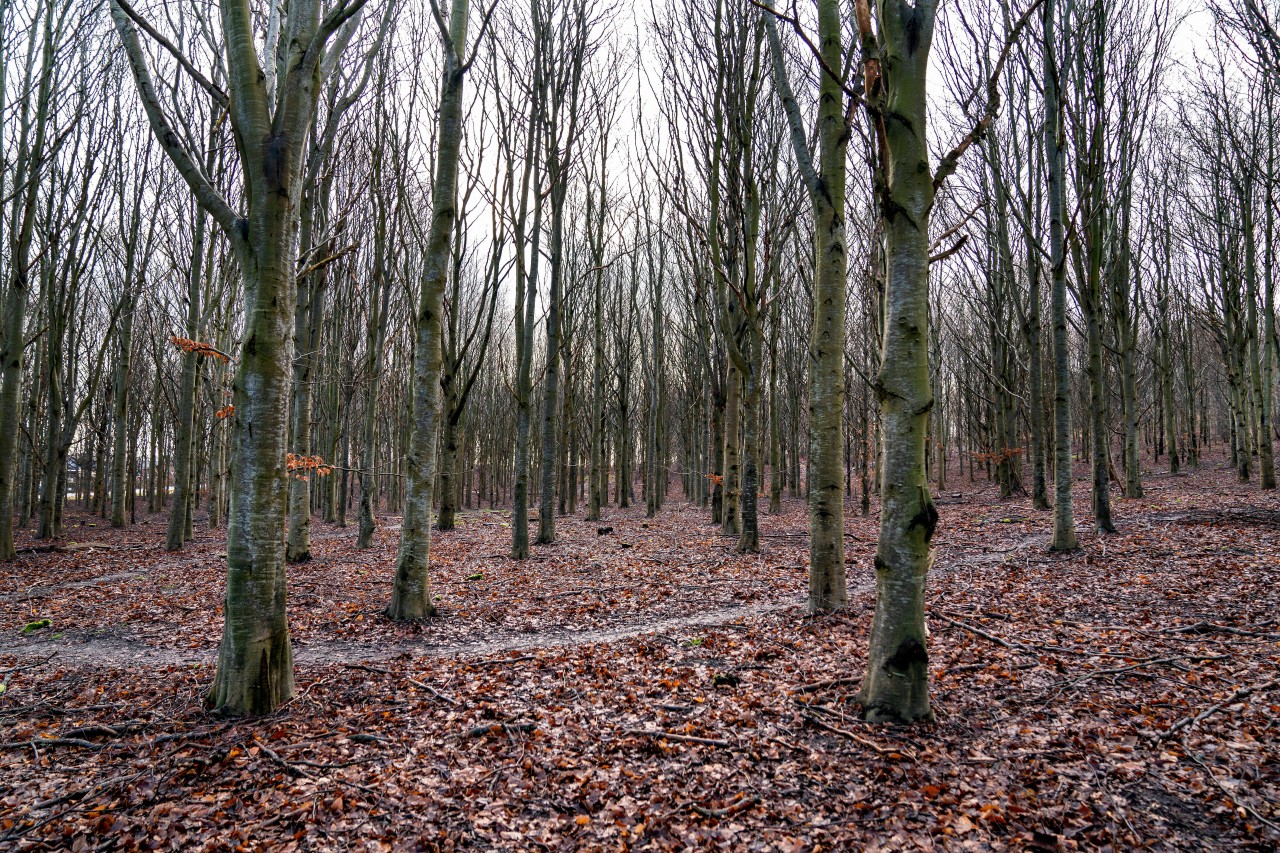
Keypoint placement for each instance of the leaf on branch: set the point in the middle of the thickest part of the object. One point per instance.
(199, 348)
(301, 466)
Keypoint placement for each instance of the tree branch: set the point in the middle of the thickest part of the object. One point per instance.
(952, 159)
(206, 195)
(219, 96)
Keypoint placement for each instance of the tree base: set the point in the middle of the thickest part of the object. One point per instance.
(886, 715)
(1064, 543)
(253, 682)
(400, 610)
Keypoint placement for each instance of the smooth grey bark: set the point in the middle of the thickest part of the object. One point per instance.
(598, 475)
(896, 685)
(255, 661)
(375, 344)
(411, 593)
(1064, 530)
(825, 182)
(656, 473)
(528, 238)
(184, 429)
(551, 370)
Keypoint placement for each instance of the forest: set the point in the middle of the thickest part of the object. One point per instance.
(679, 425)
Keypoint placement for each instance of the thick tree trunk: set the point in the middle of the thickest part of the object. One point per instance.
(255, 671)
(896, 688)
(255, 659)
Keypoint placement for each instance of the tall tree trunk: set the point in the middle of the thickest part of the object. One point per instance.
(897, 684)
(307, 319)
(1064, 528)
(451, 419)
(826, 185)
(411, 595)
(749, 535)
(377, 335)
(31, 156)
(598, 478)
(551, 379)
(1258, 351)
(732, 467)
(184, 432)
(255, 661)
(524, 391)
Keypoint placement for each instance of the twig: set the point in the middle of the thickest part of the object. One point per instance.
(705, 741)
(50, 741)
(176, 736)
(293, 767)
(1008, 644)
(436, 693)
(728, 811)
(361, 666)
(21, 667)
(288, 765)
(1227, 793)
(1208, 712)
(1212, 628)
(495, 728)
(1120, 670)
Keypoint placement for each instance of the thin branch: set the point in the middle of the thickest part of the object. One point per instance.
(205, 83)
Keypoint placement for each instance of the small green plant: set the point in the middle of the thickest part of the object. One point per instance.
(693, 642)
(476, 577)
(38, 625)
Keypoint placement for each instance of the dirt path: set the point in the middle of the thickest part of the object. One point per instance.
(101, 650)
(112, 652)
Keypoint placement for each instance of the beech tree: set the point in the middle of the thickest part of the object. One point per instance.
(270, 124)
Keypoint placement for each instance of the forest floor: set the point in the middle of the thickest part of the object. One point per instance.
(1123, 697)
